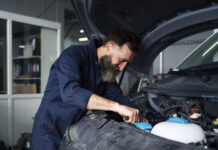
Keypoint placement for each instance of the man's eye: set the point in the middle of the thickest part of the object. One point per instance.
(123, 61)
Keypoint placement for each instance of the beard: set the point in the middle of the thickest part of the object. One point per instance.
(107, 69)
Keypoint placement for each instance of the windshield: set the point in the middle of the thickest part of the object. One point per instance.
(205, 54)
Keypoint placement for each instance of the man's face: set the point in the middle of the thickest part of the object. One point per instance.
(114, 61)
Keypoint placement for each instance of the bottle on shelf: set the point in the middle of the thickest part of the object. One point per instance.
(20, 49)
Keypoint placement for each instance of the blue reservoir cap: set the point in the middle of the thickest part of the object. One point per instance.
(143, 125)
(177, 120)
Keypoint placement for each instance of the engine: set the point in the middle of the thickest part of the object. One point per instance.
(203, 112)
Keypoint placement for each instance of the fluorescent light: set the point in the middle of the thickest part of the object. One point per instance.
(81, 31)
(83, 39)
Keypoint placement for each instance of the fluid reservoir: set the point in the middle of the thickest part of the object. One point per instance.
(178, 129)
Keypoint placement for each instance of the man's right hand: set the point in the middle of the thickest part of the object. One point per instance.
(100, 103)
(130, 115)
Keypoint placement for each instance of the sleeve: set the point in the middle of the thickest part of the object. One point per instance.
(68, 69)
(114, 92)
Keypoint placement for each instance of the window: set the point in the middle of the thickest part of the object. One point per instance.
(26, 58)
(3, 58)
(205, 54)
(33, 52)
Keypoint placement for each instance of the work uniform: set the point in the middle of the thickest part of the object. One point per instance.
(73, 78)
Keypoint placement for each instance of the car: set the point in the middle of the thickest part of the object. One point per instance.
(182, 106)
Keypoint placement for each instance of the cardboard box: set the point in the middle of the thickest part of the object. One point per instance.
(25, 89)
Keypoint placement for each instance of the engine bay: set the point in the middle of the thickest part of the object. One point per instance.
(197, 110)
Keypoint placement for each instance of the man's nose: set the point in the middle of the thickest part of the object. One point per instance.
(122, 66)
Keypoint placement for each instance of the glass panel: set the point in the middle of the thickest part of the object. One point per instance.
(204, 55)
(3, 58)
(26, 58)
(175, 53)
(34, 50)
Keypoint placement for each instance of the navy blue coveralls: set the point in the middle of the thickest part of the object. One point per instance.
(73, 78)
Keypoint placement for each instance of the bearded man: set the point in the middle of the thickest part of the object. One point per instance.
(81, 79)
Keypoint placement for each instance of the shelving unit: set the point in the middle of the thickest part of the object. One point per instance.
(23, 92)
(26, 78)
(26, 59)
(23, 57)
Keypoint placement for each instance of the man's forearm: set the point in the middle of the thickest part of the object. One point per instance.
(100, 103)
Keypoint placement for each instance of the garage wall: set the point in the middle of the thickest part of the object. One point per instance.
(52, 10)
(44, 9)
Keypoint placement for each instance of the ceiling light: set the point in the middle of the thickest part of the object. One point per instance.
(81, 31)
(83, 39)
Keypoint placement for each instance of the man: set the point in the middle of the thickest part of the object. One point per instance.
(81, 79)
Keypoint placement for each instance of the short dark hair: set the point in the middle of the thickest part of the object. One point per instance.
(121, 37)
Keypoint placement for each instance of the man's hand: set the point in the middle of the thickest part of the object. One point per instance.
(144, 120)
(130, 115)
(100, 103)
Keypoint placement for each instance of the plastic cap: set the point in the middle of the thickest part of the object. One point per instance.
(142, 125)
(177, 120)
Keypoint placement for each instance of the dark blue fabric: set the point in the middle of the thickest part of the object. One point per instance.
(73, 78)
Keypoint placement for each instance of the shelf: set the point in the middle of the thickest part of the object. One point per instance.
(27, 78)
(3, 92)
(24, 57)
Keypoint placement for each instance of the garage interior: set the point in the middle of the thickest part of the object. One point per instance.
(51, 26)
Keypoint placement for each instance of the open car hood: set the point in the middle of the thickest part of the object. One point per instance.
(157, 23)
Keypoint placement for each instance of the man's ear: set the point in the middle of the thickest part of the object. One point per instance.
(108, 46)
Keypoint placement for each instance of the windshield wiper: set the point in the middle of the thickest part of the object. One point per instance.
(190, 71)
(201, 66)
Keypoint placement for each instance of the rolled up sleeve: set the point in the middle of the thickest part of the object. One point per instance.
(68, 69)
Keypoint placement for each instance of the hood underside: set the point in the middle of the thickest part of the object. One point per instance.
(138, 16)
(157, 23)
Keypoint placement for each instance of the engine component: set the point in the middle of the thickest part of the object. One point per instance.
(143, 126)
(215, 122)
(201, 112)
(180, 132)
(215, 130)
(195, 116)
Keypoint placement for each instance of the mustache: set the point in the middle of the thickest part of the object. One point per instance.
(105, 63)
